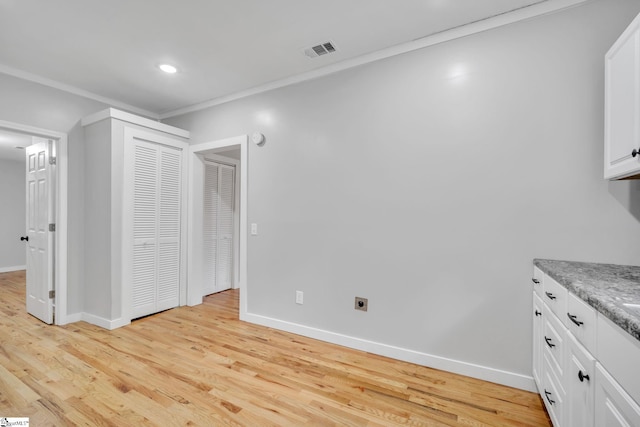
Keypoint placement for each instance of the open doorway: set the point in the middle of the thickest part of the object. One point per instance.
(12, 194)
(220, 221)
(45, 259)
(231, 152)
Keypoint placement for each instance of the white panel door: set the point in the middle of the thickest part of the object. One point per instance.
(219, 200)
(39, 239)
(157, 194)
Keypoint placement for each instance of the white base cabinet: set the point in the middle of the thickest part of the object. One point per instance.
(586, 368)
(614, 407)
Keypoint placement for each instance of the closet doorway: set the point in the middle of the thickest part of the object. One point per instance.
(219, 223)
(231, 151)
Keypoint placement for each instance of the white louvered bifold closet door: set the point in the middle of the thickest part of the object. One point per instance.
(210, 222)
(156, 228)
(218, 227)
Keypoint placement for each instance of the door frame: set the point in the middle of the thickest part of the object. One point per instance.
(195, 216)
(60, 176)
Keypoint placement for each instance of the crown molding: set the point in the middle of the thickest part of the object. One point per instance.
(4, 69)
(522, 14)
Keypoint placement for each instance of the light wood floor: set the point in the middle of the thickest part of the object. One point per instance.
(202, 366)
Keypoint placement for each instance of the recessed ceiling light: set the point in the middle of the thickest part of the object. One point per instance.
(169, 69)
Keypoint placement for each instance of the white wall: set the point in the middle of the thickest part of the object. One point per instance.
(36, 105)
(430, 194)
(32, 104)
(12, 215)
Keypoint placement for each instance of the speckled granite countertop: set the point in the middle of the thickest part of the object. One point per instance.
(611, 290)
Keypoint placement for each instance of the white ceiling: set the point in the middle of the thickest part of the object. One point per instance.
(109, 50)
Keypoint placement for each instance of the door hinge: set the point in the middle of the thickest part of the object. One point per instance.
(52, 227)
(52, 294)
(52, 160)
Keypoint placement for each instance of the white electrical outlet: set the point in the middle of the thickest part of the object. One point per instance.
(299, 297)
(254, 229)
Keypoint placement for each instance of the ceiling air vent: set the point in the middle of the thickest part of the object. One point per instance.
(319, 50)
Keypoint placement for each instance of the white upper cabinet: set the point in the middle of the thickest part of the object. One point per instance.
(622, 105)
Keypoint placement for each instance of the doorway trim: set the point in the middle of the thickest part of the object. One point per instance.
(195, 216)
(60, 250)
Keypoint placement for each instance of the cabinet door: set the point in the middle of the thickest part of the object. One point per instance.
(622, 104)
(613, 406)
(580, 387)
(554, 344)
(553, 397)
(537, 340)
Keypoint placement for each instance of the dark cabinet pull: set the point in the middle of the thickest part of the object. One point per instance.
(582, 376)
(550, 295)
(23, 238)
(548, 341)
(536, 281)
(573, 318)
(547, 394)
(538, 313)
(635, 152)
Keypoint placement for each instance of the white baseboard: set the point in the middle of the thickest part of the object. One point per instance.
(485, 373)
(95, 320)
(118, 323)
(71, 318)
(14, 268)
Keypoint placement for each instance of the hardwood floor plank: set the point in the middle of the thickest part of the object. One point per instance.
(14, 391)
(202, 366)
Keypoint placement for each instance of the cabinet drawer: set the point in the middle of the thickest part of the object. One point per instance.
(554, 343)
(555, 297)
(581, 322)
(538, 280)
(553, 397)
